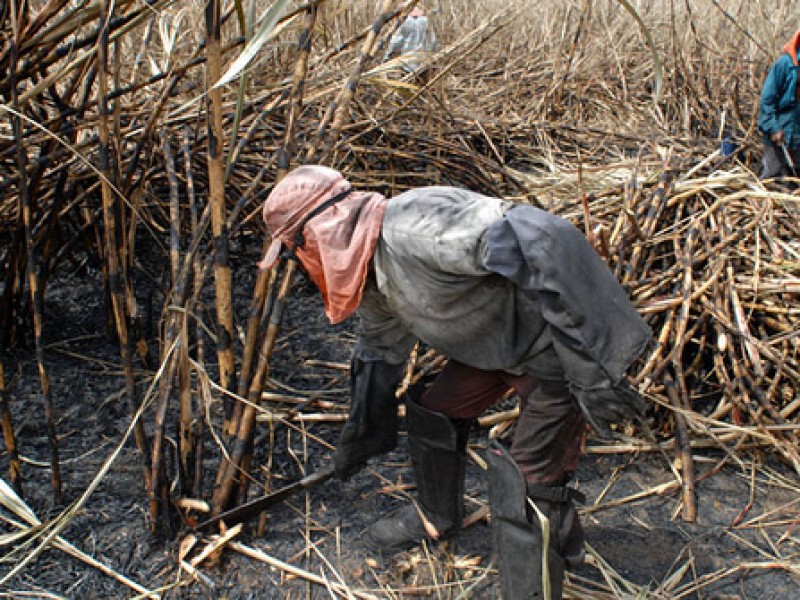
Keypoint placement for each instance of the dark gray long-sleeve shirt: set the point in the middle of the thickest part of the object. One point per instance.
(488, 283)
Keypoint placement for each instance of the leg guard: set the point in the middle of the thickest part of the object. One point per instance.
(437, 447)
(531, 546)
(438, 452)
(371, 426)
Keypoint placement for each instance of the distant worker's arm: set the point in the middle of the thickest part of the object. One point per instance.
(772, 94)
(396, 44)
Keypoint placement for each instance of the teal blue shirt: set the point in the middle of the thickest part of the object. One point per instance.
(778, 107)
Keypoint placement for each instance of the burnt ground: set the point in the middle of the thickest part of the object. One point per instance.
(744, 543)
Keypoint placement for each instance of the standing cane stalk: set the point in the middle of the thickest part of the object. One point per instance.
(260, 309)
(241, 444)
(196, 308)
(111, 226)
(31, 265)
(14, 470)
(216, 197)
(265, 279)
(186, 441)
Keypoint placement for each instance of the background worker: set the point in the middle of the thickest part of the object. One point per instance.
(516, 299)
(412, 40)
(779, 115)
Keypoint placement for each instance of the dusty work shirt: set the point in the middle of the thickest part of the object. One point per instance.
(432, 283)
(413, 38)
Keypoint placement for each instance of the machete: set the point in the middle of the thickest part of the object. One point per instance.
(258, 505)
(788, 158)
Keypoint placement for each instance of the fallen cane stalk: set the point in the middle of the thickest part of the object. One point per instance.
(287, 568)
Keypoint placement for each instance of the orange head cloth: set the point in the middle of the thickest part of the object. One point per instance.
(791, 46)
(335, 245)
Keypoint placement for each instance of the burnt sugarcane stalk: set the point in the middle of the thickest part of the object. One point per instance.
(232, 466)
(14, 467)
(111, 211)
(13, 286)
(336, 113)
(678, 394)
(197, 308)
(654, 206)
(684, 450)
(646, 373)
(266, 279)
(129, 183)
(33, 279)
(159, 489)
(260, 308)
(186, 441)
(200, 276)
(216, 198)
(174, 207)
(739, 319)
(257, 311)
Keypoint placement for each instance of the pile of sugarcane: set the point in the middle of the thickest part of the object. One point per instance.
(711, 259)
(130, 126)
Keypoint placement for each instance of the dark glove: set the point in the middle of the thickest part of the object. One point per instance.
(778, 137)
(603, 407)
(371, 426)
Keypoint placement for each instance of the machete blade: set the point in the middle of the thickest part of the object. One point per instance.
(258, 505)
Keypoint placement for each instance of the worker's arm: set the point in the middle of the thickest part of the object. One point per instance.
(376, 370)
(774, 99)
(595, 330)
(396, 43)
(371, 426)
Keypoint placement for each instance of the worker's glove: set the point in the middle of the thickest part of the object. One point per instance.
(607, 406)
(778, 137)
(371, 426)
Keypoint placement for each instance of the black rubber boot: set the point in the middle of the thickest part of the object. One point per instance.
(527, 570)
(437, 446)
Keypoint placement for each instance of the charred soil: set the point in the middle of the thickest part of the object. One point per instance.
(742, 545)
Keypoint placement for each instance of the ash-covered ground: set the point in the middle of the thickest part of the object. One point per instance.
(744, 543)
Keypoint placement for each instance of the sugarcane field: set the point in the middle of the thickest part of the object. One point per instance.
(172, 405)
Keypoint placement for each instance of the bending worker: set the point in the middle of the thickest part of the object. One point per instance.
(779, 115)
(515, 298)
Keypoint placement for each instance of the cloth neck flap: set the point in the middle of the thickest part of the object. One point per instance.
(338, 241)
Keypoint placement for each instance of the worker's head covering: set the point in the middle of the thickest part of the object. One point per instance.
(332, 229)
(416, 12)
(791, 46)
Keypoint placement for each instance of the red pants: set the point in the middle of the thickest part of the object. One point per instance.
(549, 432)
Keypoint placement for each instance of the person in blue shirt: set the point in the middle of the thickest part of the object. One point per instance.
(779, 115)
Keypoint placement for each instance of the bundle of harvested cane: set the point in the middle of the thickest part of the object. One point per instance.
(711, 260)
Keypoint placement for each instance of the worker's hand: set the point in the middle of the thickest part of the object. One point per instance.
(778, 137)
(606, 407)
